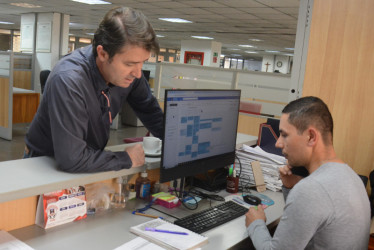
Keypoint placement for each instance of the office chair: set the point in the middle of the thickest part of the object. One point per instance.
(43, 78)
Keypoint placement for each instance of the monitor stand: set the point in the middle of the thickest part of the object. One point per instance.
(212, 181)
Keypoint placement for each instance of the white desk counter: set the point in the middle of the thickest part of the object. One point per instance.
(108, 230)
(29, 177)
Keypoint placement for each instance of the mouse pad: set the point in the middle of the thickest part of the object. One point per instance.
(265, 200)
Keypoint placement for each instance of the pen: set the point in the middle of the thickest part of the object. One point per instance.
(164, 231)
(147, 215)
(238, 201)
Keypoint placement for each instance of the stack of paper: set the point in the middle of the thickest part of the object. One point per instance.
(269, 163)
(168, 235)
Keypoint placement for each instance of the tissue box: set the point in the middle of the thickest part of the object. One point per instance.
(166, 200)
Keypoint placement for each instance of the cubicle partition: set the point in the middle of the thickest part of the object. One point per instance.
(22, 71)
(6, 94)
(18, 102)
(263, 94)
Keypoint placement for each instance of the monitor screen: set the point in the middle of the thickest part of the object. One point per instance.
(200, 131)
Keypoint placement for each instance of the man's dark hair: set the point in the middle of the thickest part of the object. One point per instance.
(124, 26)
(308, 111)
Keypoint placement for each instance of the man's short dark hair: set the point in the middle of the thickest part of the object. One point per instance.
(311, 110)
(124, 26)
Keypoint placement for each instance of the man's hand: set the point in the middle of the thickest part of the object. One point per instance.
(254, 213)
(289, 180)
(136, 154)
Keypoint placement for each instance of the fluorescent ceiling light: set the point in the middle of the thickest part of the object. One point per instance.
(25, 5)
(91, 1)
(290, 48)
(255, 40)
(160, 36)
(5, 22)
(222, 55)
(247, 46)
(233, 49)
(85, 40)
(203, 37)
(236, 55)
(272, 51)
(251, 52)
(175, 20)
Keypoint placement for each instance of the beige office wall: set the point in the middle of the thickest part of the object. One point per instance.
(340, 70)
(4, 102)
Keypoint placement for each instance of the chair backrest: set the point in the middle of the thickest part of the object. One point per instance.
(43, 78)
(371, 179)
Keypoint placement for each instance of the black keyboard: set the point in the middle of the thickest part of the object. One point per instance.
(212, 217)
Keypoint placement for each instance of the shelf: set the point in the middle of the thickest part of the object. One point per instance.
(34, 176)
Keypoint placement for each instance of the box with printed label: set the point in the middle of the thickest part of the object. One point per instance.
(60, 207)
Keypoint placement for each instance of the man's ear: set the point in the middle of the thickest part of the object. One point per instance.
(102, 55)
(312, 134)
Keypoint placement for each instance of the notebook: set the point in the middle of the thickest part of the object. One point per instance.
(169, 240)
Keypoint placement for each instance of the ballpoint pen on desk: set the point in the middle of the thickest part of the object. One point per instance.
(164, 231)
(237, 200)
(147, 215)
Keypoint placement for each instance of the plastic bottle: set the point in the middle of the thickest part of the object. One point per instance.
(119, 199)
(143, 186)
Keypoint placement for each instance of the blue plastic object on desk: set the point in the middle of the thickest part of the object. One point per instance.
(265, 200)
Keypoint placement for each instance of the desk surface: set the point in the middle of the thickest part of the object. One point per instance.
(110, 229)
(29, 177)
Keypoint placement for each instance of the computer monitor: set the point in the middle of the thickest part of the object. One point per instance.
(200, 131)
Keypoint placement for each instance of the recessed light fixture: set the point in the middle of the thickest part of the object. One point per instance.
(160, 36)
(236, 55)
(5, 22)
(84, 40)
(90, 34)
(233, 49)
(91, 1)
(251, 52)
(175, 20)
(203, 37)
(222, 55)
(25, 5)
(255, 40)
(272, 51)
(289, 48)
(247, 46)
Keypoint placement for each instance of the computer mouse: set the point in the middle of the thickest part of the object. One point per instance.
(252, 200)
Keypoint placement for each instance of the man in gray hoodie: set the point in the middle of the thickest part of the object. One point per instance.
(329, 209)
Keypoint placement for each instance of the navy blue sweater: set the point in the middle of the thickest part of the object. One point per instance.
(72, 122)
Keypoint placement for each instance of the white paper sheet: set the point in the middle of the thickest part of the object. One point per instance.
(9, 242)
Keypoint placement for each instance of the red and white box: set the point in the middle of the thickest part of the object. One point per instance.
(60, 207)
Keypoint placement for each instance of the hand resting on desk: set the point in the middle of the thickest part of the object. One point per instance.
(254, 213)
